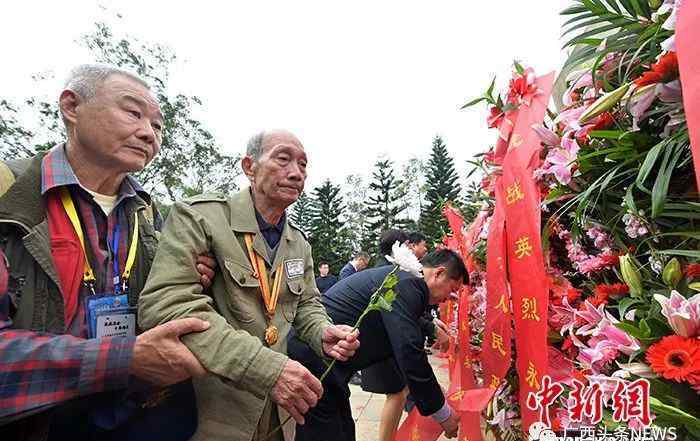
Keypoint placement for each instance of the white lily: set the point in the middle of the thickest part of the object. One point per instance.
(638, 369)
(402, 256)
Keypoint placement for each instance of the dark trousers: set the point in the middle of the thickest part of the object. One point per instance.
(331, 419)
(110, 417)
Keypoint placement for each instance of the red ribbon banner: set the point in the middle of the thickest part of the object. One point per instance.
(526, 270)
(687, 35)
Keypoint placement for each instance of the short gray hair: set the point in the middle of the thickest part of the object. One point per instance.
(255, 146)
(85, 79)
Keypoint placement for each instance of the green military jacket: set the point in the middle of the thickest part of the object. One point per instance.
(233, 401)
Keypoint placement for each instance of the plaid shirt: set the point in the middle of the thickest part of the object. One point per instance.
(40, 370)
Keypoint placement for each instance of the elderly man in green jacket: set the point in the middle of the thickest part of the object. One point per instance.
(266, 288)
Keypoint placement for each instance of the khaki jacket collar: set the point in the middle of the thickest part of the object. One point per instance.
(242, 220)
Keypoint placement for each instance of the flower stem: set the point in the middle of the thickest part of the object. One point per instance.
(367, 310)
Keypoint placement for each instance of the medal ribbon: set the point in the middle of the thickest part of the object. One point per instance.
(260, 272)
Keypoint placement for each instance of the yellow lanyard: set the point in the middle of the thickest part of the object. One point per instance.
(88, 274)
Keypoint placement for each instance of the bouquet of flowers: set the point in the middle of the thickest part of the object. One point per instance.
(621, 243)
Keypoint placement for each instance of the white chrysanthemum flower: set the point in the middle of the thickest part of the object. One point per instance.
(402, 256)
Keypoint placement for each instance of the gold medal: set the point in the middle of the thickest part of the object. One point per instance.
(271, 335)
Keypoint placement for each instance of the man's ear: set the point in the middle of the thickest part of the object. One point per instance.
(248, 165)
(440, 271)
(68, 103)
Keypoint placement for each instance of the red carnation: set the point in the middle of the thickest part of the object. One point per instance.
(573, 294)
(609, 260)
(598, 299)
(692, 270)
(613, 290)
(663, 71)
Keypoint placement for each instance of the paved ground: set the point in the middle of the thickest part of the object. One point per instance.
(367, 407)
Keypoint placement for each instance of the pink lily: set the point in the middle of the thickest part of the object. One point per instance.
(570, 117)
(683, 314)
(584, 79)
(564, 315)
(616, 338)
(548, 137)
(640, 102)
(595, 318)
(670, 92)
(562, 160)
(606, 345)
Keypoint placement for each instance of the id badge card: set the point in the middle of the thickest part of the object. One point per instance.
(110, 316)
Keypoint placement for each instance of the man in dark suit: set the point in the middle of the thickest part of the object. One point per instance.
(325, 280)
(387, 334)
(385, 377)
(359, 262)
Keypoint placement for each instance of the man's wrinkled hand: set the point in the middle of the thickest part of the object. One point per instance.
(206, 266)
(340, 342)
(296, 390)
(159, 356)
(451, 425)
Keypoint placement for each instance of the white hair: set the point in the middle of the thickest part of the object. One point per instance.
(255, 146)
(87, 78)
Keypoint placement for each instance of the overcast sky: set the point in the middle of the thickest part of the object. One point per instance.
(352, 79)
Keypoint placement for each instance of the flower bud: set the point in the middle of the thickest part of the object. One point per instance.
(604, 103)
(630, 275)
(654, 4)
(672, 273)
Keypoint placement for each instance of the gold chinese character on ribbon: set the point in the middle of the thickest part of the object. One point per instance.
(415, 433)
(515, 141)
(502, 304)
(523, 247)
(495, 381)
(457, 396)
(467, 361)
(531, 376)
(514, 193)
(497, 343)
(529, 309)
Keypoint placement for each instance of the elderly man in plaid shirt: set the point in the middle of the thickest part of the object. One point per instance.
(77, 238)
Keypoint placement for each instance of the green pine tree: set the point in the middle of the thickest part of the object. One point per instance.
(300, 213)
(386, 203)
(356, 222)
(442, 184)
(328, 237)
